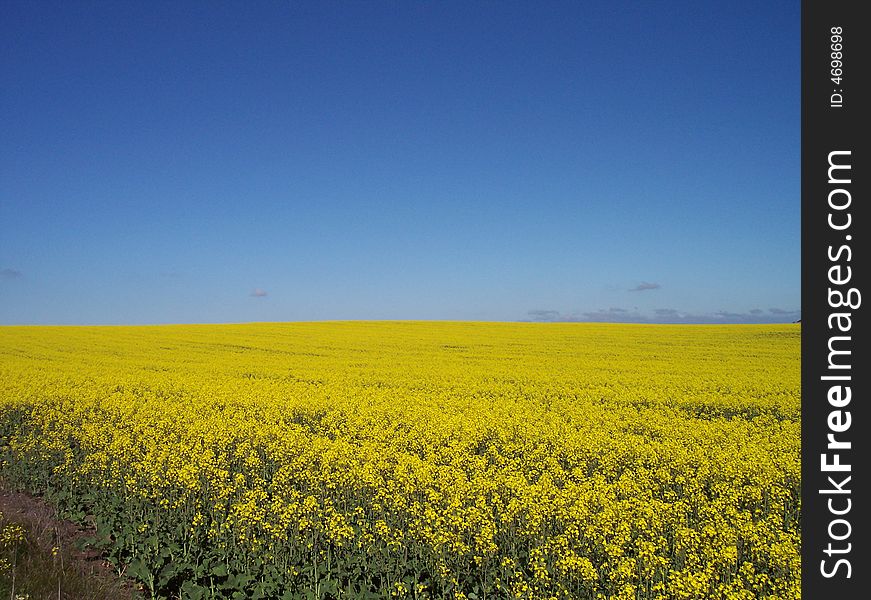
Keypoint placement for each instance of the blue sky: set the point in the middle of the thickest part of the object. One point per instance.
(280, 161)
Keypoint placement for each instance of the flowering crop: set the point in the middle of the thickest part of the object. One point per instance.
(418, 459)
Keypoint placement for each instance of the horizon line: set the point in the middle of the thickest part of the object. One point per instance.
(309, 321)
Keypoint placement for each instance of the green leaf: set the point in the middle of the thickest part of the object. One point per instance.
(138, 570)
(193, 591)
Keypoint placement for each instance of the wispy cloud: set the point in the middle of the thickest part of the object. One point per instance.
(728, 316)
(543, 315)
(7, 273)
(616, 314)
(644, 286)
(550, 316)
(670, 315)
(259, 293)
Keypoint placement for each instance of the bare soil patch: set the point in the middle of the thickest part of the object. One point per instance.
(53, 562)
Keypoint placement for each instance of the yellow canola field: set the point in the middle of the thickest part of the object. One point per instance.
(419, 459)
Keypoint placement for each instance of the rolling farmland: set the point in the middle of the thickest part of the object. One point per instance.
(418, 459)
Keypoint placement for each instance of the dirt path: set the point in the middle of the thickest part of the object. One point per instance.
(52, 562)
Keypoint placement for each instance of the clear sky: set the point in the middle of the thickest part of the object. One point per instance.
(282, 161)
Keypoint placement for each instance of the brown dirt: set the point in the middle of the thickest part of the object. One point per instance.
(54, 562)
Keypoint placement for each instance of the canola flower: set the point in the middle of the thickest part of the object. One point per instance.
(419, 459)
(11, 537)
